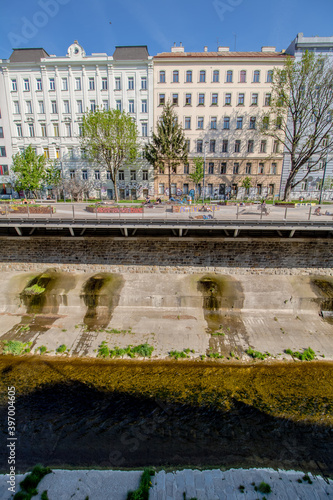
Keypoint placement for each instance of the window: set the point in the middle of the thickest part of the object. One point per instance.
(64, 84)
(105, 105)
(3, 151)
(144, 106)
(108, 176)
(79, 107)
(199, 146)
(66, 107)
(187, 122)
(224, 146)
(265, 122)
(239, 123)
(91, 83)
(52, 83)
(236, 168)
(19, 129)
(144, 128)
(213, 122)
(250, 145)
(186, 168)
(143, 83)
(212, 144)
(162, 76)
(92, 105)
(144, 175)
(39, 84)
(43, 129)
(26, 84)
(173, 188)
(248, 168)
(259, 189)
(200, 122)
(185, 189)
(121, 175)
(211, 168)
(189, 76)
(227, 100)
(161, 99)
(279, 123)
(202, 76)
(14, 85)
(29, 107)
(77, 83)
(104, 83)
(269, 76)
(161, 188)
(130, 83)
(261, 168)
(56, 130)
(16, 107)
(267, 99)
(242, 76)
(1, 132)
(4, 170)
(254, 100)
(188, 144)
(97, 175)
(188, 100)
(54, 108)
(240, 99)
(175, 76)
(68, 130)
(175, 99)
(41, 107)
(117, 82)
(118, 105)
(256, 76)
(226, 123)
(46, 153)
(275, 146)
(237, 146)
(273, 169)
(271, 189)
(133, 175)
(131, 106)
(214, 99)
(80, 130)
(229, 76)
(252, 122)
(84, 175)
(72, 174)
(31, 130)
(223, 168)
(57, 153)
(263, 147)
(216, 75)
(201, 100)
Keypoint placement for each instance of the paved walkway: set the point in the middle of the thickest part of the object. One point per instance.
(201, 485)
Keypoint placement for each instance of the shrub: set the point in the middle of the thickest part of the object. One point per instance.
(256, 354)
(34, 290)
(264, 487)
(44, 495)
(307, 355)
(61, 348)
(103, 350)
(30, 483)
(42, 349)
(15, 347)
(142, 493)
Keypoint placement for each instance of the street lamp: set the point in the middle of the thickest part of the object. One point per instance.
(204, 168)
(323, 181)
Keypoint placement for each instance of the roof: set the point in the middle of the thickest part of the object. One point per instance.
(225, 54)
(131, 52)
(28, 55)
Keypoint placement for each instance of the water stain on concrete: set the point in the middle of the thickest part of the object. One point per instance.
(323, 288)
(50, 290)
(100, 294)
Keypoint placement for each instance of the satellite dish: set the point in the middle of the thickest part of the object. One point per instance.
(310, 178)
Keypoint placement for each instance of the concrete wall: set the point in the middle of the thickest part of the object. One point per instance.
(173, 255)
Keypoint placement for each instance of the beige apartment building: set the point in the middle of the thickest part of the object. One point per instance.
(219, 97)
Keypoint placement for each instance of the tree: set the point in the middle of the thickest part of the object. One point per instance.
(198, 173)
(168, 146)
(52, 178)
(29, 170)
(110, 138)
(300, 115)
(77, 189)
(247, 183)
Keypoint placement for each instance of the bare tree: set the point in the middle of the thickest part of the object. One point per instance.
(77, 188)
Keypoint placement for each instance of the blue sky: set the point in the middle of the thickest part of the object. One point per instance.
(246, 24)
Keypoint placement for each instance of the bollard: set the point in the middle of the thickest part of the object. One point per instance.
(237, 211)
(73, 211)
(96, 212)
(261, 211)
(310, 212)
(51, 211)
(28, 211)
(285, 214)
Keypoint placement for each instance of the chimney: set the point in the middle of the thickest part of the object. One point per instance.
(223, 49)
(178, 49)
(268, 49)
(205, 48)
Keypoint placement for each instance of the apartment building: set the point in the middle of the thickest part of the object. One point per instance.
(219, 98)
(310, 186)
(44, 97)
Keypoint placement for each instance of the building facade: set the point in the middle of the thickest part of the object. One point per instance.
(43, 99)
(219, 98)
(310, 187)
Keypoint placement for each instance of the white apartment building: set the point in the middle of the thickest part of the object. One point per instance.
(43, 98)
(218, 97)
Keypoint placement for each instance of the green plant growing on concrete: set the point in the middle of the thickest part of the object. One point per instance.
(215, 355)
(142, 492)
(264, 487)
(44, 495)
(61, 348)
(30, 483)
(241, 488)
(34, 290)
(178, 354)
(257, 354)
(307, 355)
(144, 350)
(103, 350)
(25, 328)
(42, 349)
(15, 347)
(306, 477)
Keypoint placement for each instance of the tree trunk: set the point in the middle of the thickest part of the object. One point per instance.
(169, 170)
(115, 187)
(287, 189)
